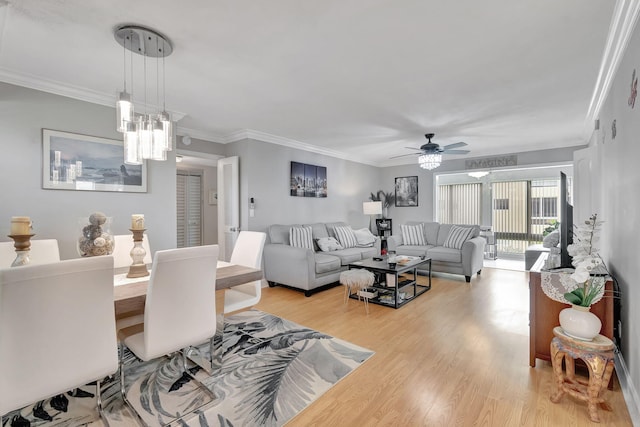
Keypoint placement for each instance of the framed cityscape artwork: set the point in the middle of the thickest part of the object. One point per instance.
(308, 180)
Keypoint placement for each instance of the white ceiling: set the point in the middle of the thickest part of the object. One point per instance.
(360, 79)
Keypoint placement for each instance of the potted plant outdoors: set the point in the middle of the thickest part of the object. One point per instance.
(589, 278)
(387, 200)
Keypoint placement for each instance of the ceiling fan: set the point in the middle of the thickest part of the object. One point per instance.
(431, 153)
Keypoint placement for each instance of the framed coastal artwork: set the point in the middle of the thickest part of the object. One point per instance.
(407, 191)
(308, 180)
(71, 161)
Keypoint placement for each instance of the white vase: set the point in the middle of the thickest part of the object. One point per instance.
(578, 322)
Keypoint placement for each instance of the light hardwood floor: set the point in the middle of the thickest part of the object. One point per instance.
(457, 355)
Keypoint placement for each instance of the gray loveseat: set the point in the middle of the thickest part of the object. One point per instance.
(466, 261)
(307, 269)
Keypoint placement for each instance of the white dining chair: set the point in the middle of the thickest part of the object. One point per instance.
(122, 251)
(246, 252)
(57, 330)
(42, 251)
(179, 309)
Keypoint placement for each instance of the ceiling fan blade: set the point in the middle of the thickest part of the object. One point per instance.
(456, 152)
(413, 148)
(455, 145)
(405, 155)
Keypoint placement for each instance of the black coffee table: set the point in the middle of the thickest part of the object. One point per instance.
(391, 291)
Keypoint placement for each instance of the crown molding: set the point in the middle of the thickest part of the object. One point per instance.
(199, 134)
(291, 143)
(623, 22)
(70, 91)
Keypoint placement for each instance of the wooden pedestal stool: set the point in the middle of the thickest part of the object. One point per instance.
(597, 355)
(356, 279)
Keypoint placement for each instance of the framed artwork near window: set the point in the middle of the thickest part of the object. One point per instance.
(71, 161)
(406, 191)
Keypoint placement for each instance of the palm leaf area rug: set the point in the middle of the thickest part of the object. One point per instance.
(272, 369)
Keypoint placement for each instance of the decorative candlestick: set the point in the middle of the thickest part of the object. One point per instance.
(22, 243)
(138, 268)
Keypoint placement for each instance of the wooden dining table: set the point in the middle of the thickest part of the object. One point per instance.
(129, 294)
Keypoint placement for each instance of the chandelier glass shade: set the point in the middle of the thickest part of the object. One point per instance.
(146, 135)
(430, 161)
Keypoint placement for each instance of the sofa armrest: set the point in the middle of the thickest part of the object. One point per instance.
(289, 265)
(393, 242)
(473, 255)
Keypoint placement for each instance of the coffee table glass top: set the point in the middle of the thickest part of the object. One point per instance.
(403, 263)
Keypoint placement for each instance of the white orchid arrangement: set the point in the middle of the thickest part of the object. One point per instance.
(586, 261)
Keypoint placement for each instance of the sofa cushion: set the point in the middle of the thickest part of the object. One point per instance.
(328, 244)
(413, 235)
(326, 263)
(430, 231)
(364, 237)
(300, 237)
(348, 255)
(552, 239)
(443, 233)
(318, 230)
(332, 225)
(413, 250)
(457, 236)
(440, 253)
(279, 234)
(346, 237)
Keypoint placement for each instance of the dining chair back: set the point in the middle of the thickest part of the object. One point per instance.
(123, 243)
(42, 251)
(247, 252)
(57, 329)
(181, 299)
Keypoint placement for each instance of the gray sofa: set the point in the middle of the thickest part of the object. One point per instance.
(466, 261)
(306, 269)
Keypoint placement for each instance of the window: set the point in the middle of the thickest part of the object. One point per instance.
(545, 207)
(501, 204)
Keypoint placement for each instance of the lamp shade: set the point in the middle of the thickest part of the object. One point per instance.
(372, 208)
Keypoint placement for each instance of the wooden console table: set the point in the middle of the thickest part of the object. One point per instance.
(544, 312)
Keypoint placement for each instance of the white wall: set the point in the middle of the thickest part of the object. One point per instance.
(265, 171)
(55, 213)
(615, 196)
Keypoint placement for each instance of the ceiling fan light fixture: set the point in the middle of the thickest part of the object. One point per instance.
(430, 161)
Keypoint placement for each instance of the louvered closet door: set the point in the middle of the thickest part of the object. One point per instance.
(189, 208)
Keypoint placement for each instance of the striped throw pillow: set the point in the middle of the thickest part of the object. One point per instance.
(346, 237)
(457, 236)
(300, 237)
(413, 234)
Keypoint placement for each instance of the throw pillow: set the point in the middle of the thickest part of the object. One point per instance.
(413, 234)
(365, 238)
(346, 237)
(328, 244)
(552, 239)
(300, 237)
(457, 236)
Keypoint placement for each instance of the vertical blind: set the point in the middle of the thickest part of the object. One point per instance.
(189, 208)
(460, 203)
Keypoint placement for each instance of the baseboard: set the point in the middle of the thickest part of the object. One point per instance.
(628, 389)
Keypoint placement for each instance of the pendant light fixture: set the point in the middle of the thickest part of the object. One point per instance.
(146, 135)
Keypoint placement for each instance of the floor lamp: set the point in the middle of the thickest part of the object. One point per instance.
(372, 208)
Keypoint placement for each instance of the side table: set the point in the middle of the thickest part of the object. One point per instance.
(598, 356)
